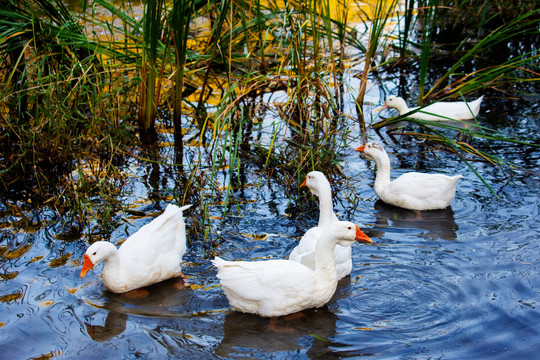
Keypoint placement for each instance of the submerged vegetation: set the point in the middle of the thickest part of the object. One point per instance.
(86, 87)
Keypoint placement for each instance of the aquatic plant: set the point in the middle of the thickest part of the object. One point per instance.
(245, 85)
(457, 20)
(60, 113)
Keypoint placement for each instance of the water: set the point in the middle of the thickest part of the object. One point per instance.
(451, 284)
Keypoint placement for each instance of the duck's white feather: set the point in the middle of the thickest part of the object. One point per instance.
(152, 254)
(252, 279)
(419, 191)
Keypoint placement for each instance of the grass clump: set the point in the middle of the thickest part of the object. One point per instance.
(59, 108)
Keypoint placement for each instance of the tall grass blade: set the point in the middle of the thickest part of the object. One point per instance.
(152, 28)
(429, 15)
(181, 18)
(214, 46)
(381, 12)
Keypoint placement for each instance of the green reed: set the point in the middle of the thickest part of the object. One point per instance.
(181, 16)
(523, 25)
(382, 11)
(149, 98)
(428, 16)
(61, 111)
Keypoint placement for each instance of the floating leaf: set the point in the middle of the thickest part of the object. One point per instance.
(72, 291)
(9, 298)
(46, 303)
(318, 337)
(135, 212)
(256, 236)
(201, 287)
(61, 261)
(15, 254)
(9, 276)
(47, 356)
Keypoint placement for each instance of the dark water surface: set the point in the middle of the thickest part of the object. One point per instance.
(459, 283)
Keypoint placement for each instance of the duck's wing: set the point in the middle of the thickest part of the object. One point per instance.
(420, 184)
(342, 256)
(420, 190)
(458, 110)
(304, 252)
(164, 236)
(257, 280)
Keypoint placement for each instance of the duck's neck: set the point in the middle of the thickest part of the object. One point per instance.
(326, 208)
(325, 264)
(382, 177)
(112, 269)
(403, 108)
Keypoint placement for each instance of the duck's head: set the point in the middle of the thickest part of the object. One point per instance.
(316, 182)
(397, 103)
(346, 233)
(96, 253)
(371, 150)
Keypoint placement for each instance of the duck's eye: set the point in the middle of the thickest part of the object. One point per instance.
(349, 228)
(95, 252)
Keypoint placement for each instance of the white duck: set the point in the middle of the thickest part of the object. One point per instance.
(439, 111)
(304, 252)
(413, 191)
(281, 287)
(152, 254)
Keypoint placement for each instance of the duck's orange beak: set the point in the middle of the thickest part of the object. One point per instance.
(361, 148)
(361, 237)
(303, 184)
(382, 107)
(88, 264)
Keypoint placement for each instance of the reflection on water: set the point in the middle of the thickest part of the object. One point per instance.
(309, 332)
(168, 298)
(115, 324)
(413, 294)
(433, 224)
(250, 335)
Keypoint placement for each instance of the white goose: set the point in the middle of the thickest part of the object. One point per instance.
(152, 254)
(304, 252)
(439, 111)
(281, 287)
(413, 191)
